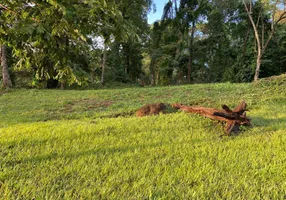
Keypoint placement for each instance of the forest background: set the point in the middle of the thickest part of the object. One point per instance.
(75, 43)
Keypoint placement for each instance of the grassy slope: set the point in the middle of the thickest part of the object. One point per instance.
(57, 144)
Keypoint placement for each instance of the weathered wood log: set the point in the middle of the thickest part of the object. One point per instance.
(233, 118)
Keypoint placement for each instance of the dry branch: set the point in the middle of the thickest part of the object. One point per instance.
(233, 118)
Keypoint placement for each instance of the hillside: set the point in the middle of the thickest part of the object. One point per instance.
(71, 145)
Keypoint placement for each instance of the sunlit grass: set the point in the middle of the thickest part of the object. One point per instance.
(57, 145)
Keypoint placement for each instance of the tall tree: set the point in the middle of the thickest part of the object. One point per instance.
(124, 57)
(154, 49)
(261, 41)
(184, 23)
(190, 13)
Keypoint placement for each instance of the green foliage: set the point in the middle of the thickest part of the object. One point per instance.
(125, 42)
(53, 38)
(197, 41)
(66, 145)
(44, 37)
(214, 42)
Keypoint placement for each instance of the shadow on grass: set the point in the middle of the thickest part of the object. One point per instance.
(25, 142)
(101, 151)
(261, 121)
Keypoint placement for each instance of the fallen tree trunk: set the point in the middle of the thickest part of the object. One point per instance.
(233, 118)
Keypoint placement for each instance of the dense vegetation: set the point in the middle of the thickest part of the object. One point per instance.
(68, 43)
(68, 144)
(87, 144)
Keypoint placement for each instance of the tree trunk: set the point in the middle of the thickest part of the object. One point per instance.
(189, 69)
(152, 71)
(176, 6)
(127, 53)
(246, 40)
(259, 47)
(103, 64)
(258, 63)
(259, 56)
(62, 85)
(7, 83)
(92, 75)
(191, 51)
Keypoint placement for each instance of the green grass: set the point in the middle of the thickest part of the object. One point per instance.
(66, 145)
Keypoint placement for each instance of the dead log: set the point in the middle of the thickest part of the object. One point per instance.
(233, 118)
(151, 109)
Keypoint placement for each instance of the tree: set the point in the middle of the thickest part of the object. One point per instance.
(261, 43)
(192, 11)
(44, 36)
(154, 49)
(103, 64)
(53, 37)
(124, 55)
(7, 83)
(184, 23)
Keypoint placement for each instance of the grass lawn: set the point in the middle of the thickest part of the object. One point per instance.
(67, 145)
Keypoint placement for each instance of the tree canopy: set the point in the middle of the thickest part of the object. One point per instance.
(51, 43)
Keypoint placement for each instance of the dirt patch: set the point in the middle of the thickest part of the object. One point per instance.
(164, 96)
(86, 104)
(203, 101)
(116, 115)
(3, 92)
